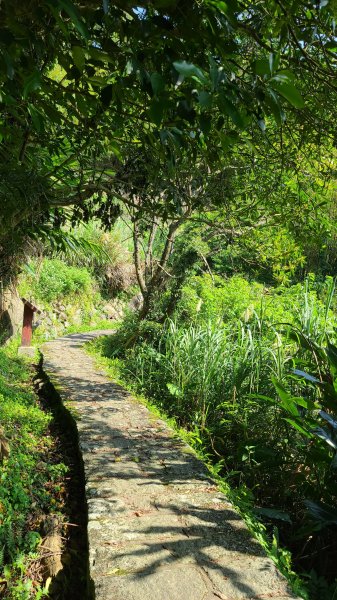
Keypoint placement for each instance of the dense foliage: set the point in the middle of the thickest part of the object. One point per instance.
(89, 90)
(222, 369)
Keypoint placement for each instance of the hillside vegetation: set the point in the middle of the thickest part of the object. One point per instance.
(243, 368)
(31, 483)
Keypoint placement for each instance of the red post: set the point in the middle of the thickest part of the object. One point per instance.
(27, 329)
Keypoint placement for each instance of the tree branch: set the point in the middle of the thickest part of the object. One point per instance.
(136, 255)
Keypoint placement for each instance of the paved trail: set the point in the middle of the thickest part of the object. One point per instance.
(158, 527)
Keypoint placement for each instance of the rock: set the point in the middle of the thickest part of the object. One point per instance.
(77, 317)
(28, 351)
(4, 445)
(11, 313)
(112, 312)
(51, 547)
(136, 302)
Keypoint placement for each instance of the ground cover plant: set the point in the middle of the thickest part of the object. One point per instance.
(31, 481)
(223, 368)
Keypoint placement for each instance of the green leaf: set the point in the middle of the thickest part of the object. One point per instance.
(73, 13)
(205, 99)
(189, 70)
(262, 67)
(284, 75)
(322, 512)
(272, 102)
(31, 83)
(305, 342)
(285, 87)
(230, 109)
(157, 82)
(174, 390)
(78, 57)
(116, 149)
(299, 427)
(332, 358)
(99, 55)
(287, 402)
(37, 118)
(306, 403)
(265, 398)
(273, 513)
(326, 436)
(205, 123)
(329, 419)
(226, 8)
(156, 111)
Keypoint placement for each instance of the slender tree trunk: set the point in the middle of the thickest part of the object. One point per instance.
(159, 276)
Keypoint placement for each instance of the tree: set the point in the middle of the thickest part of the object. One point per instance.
(248, 202)
(84, 84)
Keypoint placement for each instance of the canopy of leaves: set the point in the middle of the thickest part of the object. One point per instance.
(85, 85)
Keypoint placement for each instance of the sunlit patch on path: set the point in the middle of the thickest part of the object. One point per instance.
(158, 527)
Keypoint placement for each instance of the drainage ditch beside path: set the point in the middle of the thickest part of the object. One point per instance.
(73, 580)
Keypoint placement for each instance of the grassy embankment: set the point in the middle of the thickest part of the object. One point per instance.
(31, 480)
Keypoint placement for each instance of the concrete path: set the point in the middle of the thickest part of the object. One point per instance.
(158, 528)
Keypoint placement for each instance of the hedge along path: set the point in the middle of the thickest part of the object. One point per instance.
(158, 527)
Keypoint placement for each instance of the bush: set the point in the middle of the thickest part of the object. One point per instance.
(205, 297)
(57, 280)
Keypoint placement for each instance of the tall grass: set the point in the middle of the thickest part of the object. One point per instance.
(206, 376)
(210, 375)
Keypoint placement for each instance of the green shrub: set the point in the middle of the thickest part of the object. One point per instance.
(307, 305)
(57, 280)
(205, 297)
